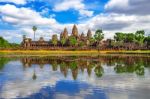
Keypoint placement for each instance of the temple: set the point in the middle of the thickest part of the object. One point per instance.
(28, 43)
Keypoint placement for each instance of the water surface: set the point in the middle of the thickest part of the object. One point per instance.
(75, 77)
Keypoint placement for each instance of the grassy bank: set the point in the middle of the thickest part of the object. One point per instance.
(47, 52)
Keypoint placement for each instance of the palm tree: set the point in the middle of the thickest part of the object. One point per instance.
(34, 28)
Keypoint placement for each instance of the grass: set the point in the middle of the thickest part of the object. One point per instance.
(50, 52)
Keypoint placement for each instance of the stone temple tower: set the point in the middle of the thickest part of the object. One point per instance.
(75, 31)
(65, 33)
(89, 34)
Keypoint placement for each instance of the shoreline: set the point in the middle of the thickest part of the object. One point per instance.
(78, 52)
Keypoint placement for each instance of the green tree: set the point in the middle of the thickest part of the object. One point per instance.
(72, 41)
(147, 41)
(4, 43)
(34, 28)
(81, 43)
(139, 37)
(92, 40)
(63, 41)
(54, 40)
(130, 37)
(99, 35)
(120, 36)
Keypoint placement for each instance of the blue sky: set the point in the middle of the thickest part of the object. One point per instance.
(70, 15)
(18, 16)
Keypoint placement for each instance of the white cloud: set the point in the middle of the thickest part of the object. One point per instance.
(86, 13)
(73, 4)
(117, 3)
(23, 19)
(68, 4)
(112, 23)
(23, 16)
(15, 1)
(136, 7)
(13, 88)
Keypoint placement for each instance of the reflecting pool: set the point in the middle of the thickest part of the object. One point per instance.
(75, 77)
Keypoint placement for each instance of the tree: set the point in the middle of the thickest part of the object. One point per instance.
(4, 43)
(130, 37)
(99, 35)
(92, 40)
(34, 28)
(147, 41)
(139, 37)
(81, 43)
(117, 44)
(72, 41)
(63, 41)
(54, 40)
(120, 36)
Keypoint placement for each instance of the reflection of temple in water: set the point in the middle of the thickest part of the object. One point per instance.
(121, 64)
(61, 63)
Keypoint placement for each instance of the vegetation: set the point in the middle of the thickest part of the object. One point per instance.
(72, 41)
(68, 53)
(75, 64)
(130, 41)
(34, 28)
(147, 41)
(139, 37)
(54, 40)
(121, 41)
(63, 41)
(4, 44)
(99, 35)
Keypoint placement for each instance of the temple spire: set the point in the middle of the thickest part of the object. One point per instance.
(82, 35)
(75, 31)
(65, 33)
(89, 34)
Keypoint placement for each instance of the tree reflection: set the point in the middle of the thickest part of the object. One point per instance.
(99, 71)
(139, 69)
(136, 67)
(74, 69)
(121, 64)
(89, 68)
(34, 76)
(54, 65)
(3, 61)
(63, 68)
